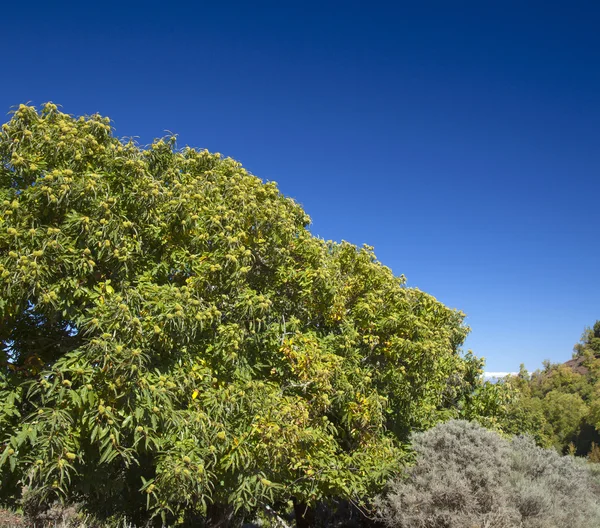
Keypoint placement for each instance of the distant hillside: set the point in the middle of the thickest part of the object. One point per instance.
(577, 365)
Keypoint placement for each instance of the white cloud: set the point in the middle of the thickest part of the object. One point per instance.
(491, 375)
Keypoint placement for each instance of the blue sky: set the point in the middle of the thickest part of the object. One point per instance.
(461, 139)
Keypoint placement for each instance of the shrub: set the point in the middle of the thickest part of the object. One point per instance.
(467, 476)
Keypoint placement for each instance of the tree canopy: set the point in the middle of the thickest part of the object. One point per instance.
(174, 338)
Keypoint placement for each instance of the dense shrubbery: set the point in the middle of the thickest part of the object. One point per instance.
(175, 341)
(467, 476)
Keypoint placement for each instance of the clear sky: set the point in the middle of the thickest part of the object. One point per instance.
(461, 139)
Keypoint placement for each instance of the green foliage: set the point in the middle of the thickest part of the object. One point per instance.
(469, 476)
(174, 337)
(559, 404)
(565, 413)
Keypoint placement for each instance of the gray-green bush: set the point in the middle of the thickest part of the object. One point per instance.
(467, 476)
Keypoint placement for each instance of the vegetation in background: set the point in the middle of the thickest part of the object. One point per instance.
(465, 475)
(560, 405)
(174, 341)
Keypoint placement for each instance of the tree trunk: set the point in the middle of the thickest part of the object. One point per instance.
(218, 516)
(305, 515)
